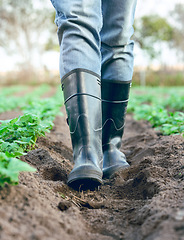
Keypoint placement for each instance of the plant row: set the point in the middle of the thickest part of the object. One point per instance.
(164, 110)
(170, 98)
(19, 135)
(8, 102)
(6, 91)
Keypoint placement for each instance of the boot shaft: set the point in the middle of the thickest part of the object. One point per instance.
(114, 105)
(82, 95)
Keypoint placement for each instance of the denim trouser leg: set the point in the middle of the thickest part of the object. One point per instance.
(79, 23)
(116, 46)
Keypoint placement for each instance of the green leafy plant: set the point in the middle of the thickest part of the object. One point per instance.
(160, 107)
(19, 135)
(10, 168)
(7, 91)
(8, 103)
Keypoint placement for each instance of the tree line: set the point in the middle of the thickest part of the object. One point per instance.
(27, 27)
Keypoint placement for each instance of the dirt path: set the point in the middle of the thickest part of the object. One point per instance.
(145, 201)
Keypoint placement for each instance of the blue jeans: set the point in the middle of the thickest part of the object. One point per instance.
(96, 35)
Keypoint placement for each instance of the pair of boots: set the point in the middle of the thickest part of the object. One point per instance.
(96, 115)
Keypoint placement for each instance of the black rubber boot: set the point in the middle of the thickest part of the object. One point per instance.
(114, 104)
(82, 94)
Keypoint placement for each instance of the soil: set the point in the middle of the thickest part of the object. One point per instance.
(145, 201)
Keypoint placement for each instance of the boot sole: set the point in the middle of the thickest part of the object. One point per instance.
(85, 178)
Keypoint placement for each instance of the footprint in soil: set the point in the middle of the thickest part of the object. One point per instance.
(140, 187)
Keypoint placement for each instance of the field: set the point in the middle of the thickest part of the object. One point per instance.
(145, 201)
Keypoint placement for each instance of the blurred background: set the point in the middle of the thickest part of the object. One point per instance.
(29, 51)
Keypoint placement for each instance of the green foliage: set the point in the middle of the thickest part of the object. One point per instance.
(156, 28)
(155, 105)
(23, 24)
(175, 102)
(178, 15)
(7, 91)
(10, 168)
(8, 103)
(167, 122)
(52, 43)
(19, 135)
(150, 30)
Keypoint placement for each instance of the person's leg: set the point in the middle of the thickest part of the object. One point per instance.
(116, 73)
(116, 44)
(79, 23)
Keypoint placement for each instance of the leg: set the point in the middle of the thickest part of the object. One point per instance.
(116, 46)
(117, 70)
(79, 23)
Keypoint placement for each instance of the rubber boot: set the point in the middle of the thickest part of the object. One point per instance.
(82, 95)
(114, 104)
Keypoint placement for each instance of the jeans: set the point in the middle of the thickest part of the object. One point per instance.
(96, 35)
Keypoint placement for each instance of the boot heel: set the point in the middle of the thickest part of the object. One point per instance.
(85, 177)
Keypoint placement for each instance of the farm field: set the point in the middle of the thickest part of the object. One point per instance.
(145, 201)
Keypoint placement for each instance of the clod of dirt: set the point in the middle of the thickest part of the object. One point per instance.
(48, 168)
(64, 205)
(38, 157)
(54, 173)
